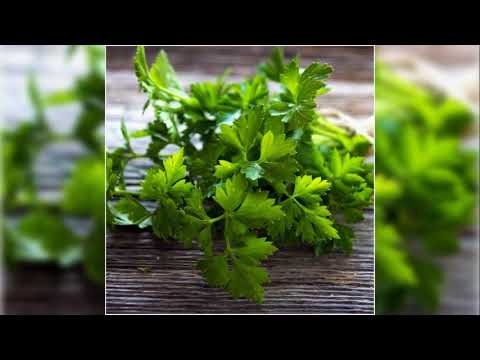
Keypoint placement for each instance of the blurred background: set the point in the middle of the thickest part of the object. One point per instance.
(52, 183)
(427, 224)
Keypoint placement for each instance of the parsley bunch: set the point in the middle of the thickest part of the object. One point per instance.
(38, 230)
(256, 169)
(425, 189)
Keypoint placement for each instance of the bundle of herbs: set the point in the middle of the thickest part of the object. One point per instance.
(254, 170)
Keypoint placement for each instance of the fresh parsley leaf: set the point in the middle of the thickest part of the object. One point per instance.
(215, 269)
(231, 195)
(296, 105)
(257, 209)
(128, 211)
(162, 72)
(225, 169)
(274, 67)
(244, 133)
(275, 147)
(243, 277)
(170, 181)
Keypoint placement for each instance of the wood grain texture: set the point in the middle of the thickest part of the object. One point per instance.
(146, 275)
(353, 64)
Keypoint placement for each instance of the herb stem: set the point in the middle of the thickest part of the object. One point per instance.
(136, 156)
(35, 204)
(60, 138)
(125, 193)
(175, 95)
(226, 233)
(175, 127)
(218, 218)
(293, 198)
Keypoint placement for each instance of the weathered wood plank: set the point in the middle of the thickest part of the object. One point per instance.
(353, 63)
(146, 275)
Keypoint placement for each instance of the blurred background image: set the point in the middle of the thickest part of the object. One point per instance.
(52, 183)
(426, 209)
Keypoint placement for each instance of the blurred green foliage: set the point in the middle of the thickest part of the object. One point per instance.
(35, 230)
(426, 183)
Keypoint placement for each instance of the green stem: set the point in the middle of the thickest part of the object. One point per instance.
(175, 95)
(218, 218)
(60, 138)
(292, 198)
(175, 127)
(226, 233)
(34, 204)
(136, 156)
(289, 198)
(125, 193)
(304, 208)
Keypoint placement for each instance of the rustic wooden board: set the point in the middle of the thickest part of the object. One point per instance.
(44, 289)
(353, 64)
(146, 275)
(48, 290)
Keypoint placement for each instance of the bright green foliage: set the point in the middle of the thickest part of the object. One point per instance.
(351, 185)
(238, 270)
(170, 181)
(36, 230)
(295, 105)
(326, 135)
(275, 147)
(83, 192)
(273, 67)
(306, 219)
(244, 132)
(231, 195)
(253, 182)
(42, 237)
(225, 169)
(310, 189)
(425, 189)
(128, 211)
(257, 209)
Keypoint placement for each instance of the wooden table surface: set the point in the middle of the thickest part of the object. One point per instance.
(301, 283)
(44, 289)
